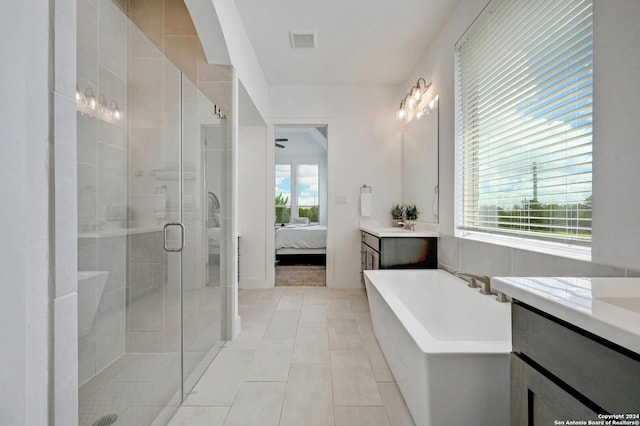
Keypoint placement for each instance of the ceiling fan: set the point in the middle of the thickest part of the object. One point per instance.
(279, 145)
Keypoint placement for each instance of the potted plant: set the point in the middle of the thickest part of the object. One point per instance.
(411, 211)
(397, 211)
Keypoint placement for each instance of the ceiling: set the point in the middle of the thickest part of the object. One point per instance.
(357, 41)
(302, 139)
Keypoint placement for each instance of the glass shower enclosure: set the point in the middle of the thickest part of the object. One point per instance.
(151, 225)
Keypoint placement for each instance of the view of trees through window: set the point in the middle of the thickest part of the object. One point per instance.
(308, 203)
(305, 202)
(524, 121)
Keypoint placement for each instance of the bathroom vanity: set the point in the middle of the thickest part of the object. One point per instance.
(576, 349)
(397, 248)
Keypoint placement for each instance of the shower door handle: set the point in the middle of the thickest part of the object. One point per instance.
(164, 234)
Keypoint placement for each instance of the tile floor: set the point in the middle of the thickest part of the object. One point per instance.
(306, 356)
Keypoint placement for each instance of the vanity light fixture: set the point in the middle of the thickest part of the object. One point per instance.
(426, 110)
(87, 103)
(413, 104)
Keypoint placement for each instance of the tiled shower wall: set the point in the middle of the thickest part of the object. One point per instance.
(494, 260)
(168, 25)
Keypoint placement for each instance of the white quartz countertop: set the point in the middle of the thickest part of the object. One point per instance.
(393, 231)
(606, 307)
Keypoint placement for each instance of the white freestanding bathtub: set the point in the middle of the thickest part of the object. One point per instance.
(446, 344)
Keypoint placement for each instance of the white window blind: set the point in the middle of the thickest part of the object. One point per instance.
(524, 121)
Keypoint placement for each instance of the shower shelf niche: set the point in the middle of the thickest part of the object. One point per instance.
(172, 173)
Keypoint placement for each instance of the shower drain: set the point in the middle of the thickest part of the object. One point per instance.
(106, 420)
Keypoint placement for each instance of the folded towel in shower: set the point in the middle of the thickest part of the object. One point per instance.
(160, 206)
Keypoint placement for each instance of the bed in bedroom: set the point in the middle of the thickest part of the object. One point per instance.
(301, 244)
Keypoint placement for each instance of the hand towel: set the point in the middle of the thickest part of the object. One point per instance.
(160, 206)
(365, 204)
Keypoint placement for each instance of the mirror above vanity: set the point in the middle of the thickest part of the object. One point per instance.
(420, 161)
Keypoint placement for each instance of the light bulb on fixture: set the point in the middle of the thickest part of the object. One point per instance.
(411, 102)
(102, 103)
(415, 94)
(90, 98)
(115, 111)
(402, 113)
(420, 88)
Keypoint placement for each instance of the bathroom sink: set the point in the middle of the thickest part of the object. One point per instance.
(628, 303)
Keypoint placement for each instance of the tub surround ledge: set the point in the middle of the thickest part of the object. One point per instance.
(606, 307)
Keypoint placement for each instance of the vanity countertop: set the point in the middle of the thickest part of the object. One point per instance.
(393, 231)
(606, 307)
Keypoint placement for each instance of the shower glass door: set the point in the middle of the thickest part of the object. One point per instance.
(202, 180)
(150, 311)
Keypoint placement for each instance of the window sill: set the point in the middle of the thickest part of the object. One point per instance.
(551, 248)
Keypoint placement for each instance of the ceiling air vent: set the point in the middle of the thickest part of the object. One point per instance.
(300, 39)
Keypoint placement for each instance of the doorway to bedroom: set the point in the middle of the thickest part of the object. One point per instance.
(300, 205)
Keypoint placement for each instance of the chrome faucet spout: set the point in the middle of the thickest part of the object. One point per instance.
(474, 281)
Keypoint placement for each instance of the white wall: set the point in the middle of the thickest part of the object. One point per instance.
(242, 55)
(38, 127)
(252, 208)
(364, 147)
(13, 170)
(616, 139)
(616, 151)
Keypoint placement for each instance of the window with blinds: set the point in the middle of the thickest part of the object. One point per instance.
(524, 121)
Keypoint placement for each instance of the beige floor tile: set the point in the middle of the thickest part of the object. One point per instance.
(394, 404)
(353, 380)
(283, 325)
(199, 416)
(257, 403)
(315, 296)
(361, 416)
(308, 398)
(220, 383)
(305, 356)
(247, 296)
(298, 289)
(311, 346)
(359, 303)
(313, 316)
(339, 308)
(271, 361)
(378, 362)
(250, 336)
(344, 334)
(365, 326)
(261, 310)
(290, 302)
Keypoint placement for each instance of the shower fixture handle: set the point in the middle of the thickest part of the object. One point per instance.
(164, 234)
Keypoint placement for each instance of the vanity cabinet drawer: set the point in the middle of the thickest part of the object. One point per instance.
(371, 240)
(602, 372)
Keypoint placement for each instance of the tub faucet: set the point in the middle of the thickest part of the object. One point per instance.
(475, 281)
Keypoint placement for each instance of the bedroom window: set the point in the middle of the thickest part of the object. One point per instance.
(283, 193)
(524, 126)
(308, 201)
